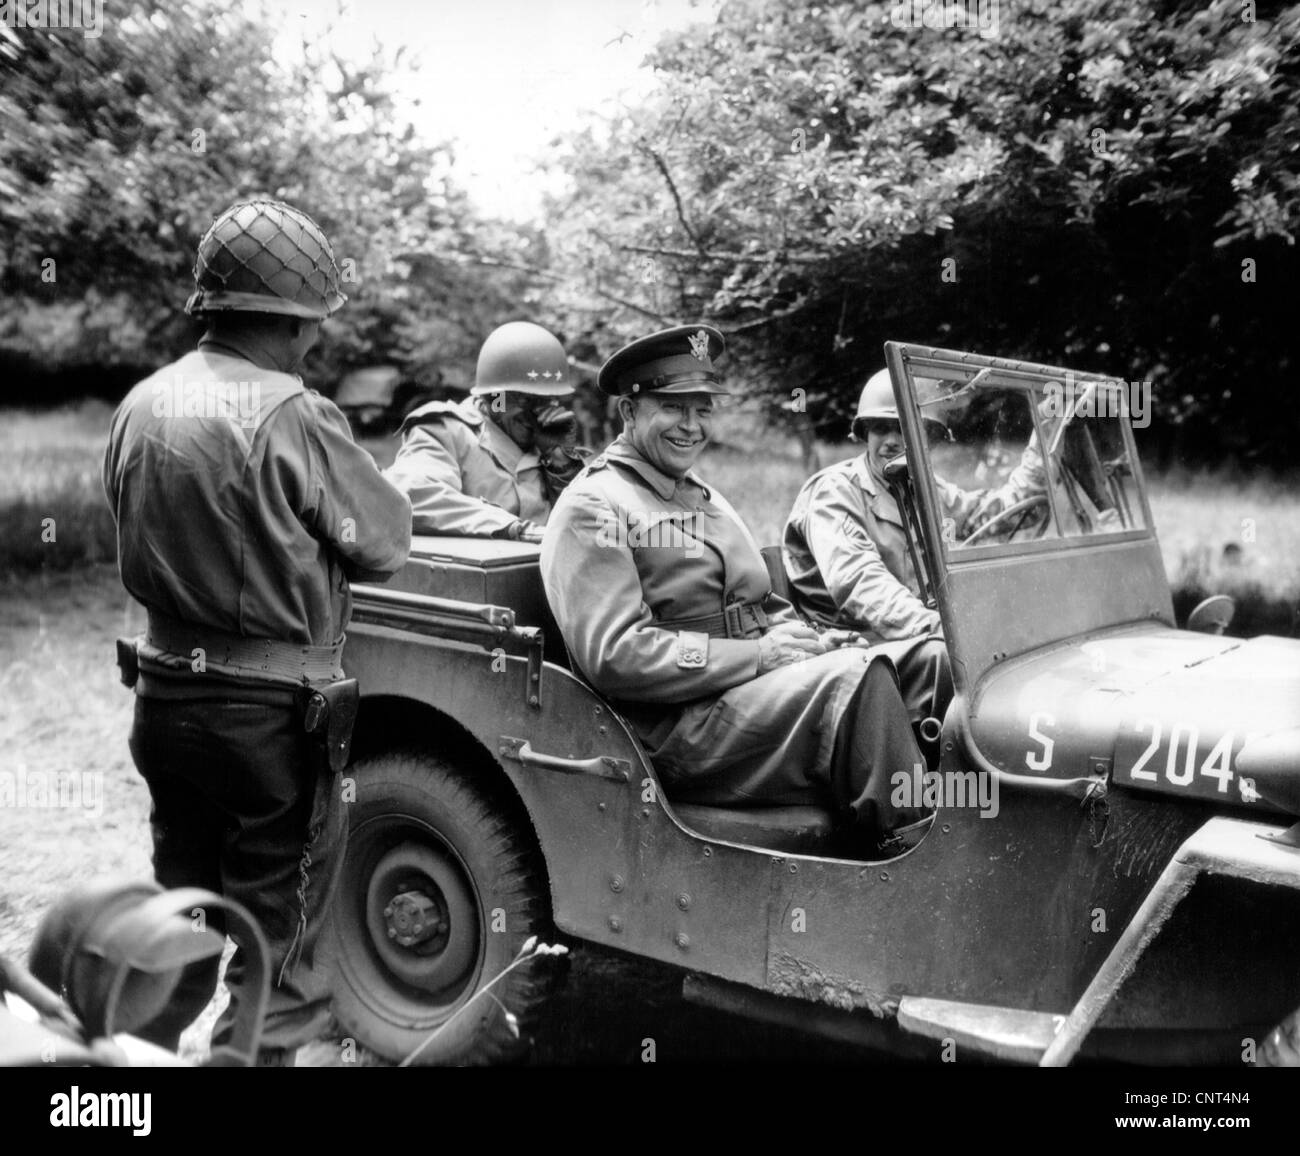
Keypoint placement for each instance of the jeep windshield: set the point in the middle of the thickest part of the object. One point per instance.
(1031, 517)
(1045, 459)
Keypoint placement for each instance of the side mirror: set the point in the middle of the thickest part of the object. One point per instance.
(1213, 616)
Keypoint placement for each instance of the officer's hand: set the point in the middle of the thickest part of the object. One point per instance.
(527, 531)
(837, 638)
(786, 643)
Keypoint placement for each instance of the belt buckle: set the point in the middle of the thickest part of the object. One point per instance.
(731, 620)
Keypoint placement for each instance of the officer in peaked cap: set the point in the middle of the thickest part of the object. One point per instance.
(492, 465)
(666, 607)
(678, 360)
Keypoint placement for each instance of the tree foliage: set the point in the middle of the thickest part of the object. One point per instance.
(118, 152)
(1114, 186)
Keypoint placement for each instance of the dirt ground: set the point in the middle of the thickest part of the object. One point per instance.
(64, 720)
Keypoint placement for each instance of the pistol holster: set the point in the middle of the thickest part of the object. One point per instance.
(329, 715)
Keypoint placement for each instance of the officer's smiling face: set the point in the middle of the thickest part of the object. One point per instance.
(670, 430)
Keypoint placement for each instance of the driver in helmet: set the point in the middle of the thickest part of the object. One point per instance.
(493, 464)
(845, 542)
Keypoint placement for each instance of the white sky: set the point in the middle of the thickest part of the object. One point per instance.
(503, 77)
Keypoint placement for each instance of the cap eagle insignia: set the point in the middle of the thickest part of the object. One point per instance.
(699, 345)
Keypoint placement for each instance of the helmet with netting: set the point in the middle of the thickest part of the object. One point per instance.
(264, 256)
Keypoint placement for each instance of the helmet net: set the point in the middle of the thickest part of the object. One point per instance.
(266, 250)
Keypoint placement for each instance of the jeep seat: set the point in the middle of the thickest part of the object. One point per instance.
(805, 830)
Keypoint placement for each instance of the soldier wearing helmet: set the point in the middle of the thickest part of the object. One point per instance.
(666, 606)
(492, 465)
(845, 543)
(243, 508)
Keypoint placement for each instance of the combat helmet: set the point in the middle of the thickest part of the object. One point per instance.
(524, 358)
(263, 256)
(877, 403)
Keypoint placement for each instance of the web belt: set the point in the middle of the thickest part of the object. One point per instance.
(240, 654)
(739, 620)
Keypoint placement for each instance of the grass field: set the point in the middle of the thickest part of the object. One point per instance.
(53, 516)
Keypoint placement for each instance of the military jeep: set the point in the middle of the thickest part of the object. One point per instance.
(1113, 866)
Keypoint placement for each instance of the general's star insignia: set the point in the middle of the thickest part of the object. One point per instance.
(532, 375)
(547, 375)
(699, 345)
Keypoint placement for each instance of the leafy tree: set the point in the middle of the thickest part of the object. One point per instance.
(119, 151)
(1102, 184)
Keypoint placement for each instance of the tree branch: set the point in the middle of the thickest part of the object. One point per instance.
(672, 188)
(686, 254)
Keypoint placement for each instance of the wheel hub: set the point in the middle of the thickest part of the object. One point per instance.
(422, 917)
(413, 917)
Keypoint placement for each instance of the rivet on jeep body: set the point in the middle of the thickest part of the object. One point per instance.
(615, 923)
(684, 901)
(616, 883)
(683, 940)
(794, 868)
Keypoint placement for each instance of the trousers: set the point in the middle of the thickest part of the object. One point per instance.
(244, 805)
(829, 731)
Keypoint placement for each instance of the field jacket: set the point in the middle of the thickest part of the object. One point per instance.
(464, 475)
(845, 549)
(243, 504)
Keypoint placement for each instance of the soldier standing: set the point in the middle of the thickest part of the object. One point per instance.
(666, 606)
(492, 465)
(243, 509)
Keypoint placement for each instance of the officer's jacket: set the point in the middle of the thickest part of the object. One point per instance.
(845, 550)
(464, 475)
(243, 504)
(631, 552)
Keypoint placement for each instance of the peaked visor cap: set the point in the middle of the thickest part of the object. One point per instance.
(677, 360)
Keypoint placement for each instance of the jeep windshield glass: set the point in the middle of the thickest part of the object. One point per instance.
(1001, 476)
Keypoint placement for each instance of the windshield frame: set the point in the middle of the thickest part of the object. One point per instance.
(994, 373)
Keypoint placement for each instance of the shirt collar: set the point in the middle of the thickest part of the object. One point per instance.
(862, 472)
(665, 486)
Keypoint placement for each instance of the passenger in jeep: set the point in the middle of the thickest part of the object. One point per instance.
(666, 607)
(493, 465)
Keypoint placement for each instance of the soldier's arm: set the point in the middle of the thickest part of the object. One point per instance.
(351, 504)
(854, 571)
(1027, 479)
(595, 593)
(427, 469)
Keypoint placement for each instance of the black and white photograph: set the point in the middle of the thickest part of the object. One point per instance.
(736, 537)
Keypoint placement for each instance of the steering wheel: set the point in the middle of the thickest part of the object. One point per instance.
(1022, 508)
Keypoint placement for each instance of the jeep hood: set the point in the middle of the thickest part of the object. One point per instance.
(1164, 710)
